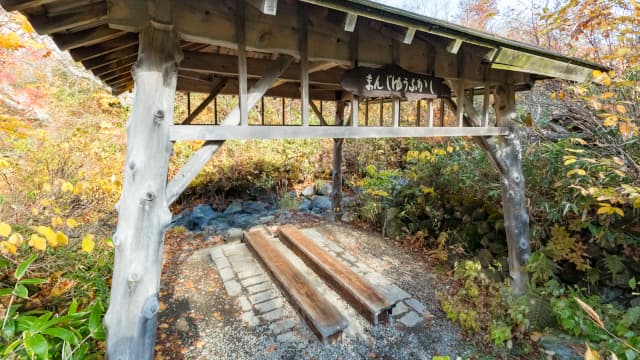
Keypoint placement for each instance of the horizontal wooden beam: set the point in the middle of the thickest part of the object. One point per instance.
(116, 65)
(221, 132)
(93, 51)
(20, 5)
(87, 37)
(82, 17)
(226, 65)
(111, 58)
(513, 60)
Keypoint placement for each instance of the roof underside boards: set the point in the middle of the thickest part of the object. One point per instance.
(103, 36)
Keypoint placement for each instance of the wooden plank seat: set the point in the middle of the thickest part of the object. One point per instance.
(360, 293)
(322, 317)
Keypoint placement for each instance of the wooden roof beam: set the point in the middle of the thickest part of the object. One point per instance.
(350, 21)
(93, 51)
(87, 37)
(454, 46)
(21, 5)
(120, 63)
(408, 36)
(269, 7)
(111, 57)
(86, 15)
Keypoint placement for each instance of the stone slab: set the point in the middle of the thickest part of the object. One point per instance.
(411, 319)
(416, 305)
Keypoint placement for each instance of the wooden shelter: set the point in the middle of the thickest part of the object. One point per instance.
(351, 52)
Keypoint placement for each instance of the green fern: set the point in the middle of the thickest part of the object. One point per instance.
(541, 268)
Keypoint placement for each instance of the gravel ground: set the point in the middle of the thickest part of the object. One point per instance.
(198, 320)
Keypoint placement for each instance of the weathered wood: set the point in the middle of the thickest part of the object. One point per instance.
(111, 58)
(20, 5)
(322, 317)
(350, 21)
(391, 81)
(193, 166)
(485, 105)
(93, 51)
(336, 173)
(213, 133)
(318, 113)
(430, 113)
(353, 288)
(143, 212)
(409, 35)
(205, 102)
(304, 67)
(242, 63)
(454, 46)
(87, 37)
(269, 7)
(396, 112)
(84, 16)
(460, 102)
(514, 60)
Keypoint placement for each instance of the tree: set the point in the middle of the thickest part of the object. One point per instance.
(477, 13)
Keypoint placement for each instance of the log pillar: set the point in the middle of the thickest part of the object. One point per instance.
(336, 176)
(143, 212)
(508, 154)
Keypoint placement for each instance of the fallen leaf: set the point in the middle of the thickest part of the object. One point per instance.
(5, 229)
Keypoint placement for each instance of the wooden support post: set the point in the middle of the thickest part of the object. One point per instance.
(215, 110)
(381, 112)
(485, 106)
(442, 112)
(396, 112)
(430, 112)
(418, 111)
(366, 112)
(262, 110)
(242, 63)
(354, 111)
(214, 92)
(188, 103)
(460, 103)
(505, 154)
(284, 119)
(304, 67)
(336, 176)
(191, 169)
(143, 212)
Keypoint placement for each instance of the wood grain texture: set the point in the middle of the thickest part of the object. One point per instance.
(360, 293)
(322, 317)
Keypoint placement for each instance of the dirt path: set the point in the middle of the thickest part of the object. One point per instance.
(200, 320)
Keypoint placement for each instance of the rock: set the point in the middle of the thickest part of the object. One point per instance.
(394, 227)
(308, 192)
(321, 202)
(608, 294)
(466, 219)
(219, 225)
(233, 235)
(634, 301)
(348, 201)
(561, 348)
(479, 214)
(253, 207)
(305, 205)
(348, 217)
(483, 227)
(266, 219)
(245, 220)
(324, 189)
(233, 208)
(284, 216)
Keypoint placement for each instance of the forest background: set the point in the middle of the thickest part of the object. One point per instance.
(62, 139)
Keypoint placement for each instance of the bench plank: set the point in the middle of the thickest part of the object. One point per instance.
(322, 317)
(360, 293)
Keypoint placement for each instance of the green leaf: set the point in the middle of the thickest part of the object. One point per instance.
(12, 347)
(21, 291)
(632, 283)
(32, 281)
(95, 322)
(6, 291)
(73, 308)
(63, 334)
(37, 345)
(22, 268)
(4, 263)
(40, 323)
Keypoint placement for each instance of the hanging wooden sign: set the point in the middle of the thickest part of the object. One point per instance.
(393, 81)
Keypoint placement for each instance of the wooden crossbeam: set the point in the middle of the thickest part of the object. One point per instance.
(213, 133)
(93, 51)
(304, 67)
(205, 102)
(110, 58)
(242, 62)
(21, 5)
(269, 7)
(454, 46)
(350, 21)
(87, 37)
(91, 15)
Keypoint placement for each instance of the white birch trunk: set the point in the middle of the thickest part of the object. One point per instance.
(143, 212)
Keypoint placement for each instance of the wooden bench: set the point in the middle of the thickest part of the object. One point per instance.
(322, 317)
(360, 293)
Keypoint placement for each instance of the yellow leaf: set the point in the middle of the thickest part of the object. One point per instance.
(46, 232)
(35, 211)
(87, 243)
(569, 161)
(57, 222)
(80, 188)
(72, 223)
(427, 190)
(606, 95)
(61, 238)
(618, 211)
(553, 95)
(578, 141)
(16, 239)
(449, 149)
(577, 171)
(591, 354)
(621, 109)
(46, 187)
(3, 163)
(562, 95)
(611, 120)
(67, 187)
(5, 229)
(7, 247)
(577, 151)
(38, 242)
(53, 242)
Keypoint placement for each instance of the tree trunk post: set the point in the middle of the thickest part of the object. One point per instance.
(143, 212)
(514, 201)
(336, 176)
